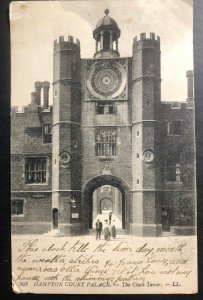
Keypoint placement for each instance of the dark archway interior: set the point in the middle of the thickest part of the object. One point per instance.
(55, 218)
(98, 182)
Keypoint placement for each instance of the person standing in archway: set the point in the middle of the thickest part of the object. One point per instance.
(106, 231)
(110, 216)
(98, 225)
(113, 230)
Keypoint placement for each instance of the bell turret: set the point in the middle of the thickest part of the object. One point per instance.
(106, 35)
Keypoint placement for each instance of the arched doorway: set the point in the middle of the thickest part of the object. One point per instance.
(55, 218)
(107, 200)
(103, 181)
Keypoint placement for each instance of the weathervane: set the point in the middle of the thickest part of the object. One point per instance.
(106, 11)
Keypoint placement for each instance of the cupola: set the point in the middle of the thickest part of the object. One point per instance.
(106, 35)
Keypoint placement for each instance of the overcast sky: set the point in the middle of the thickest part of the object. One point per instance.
(36, 24)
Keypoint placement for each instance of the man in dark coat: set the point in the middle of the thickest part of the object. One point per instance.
(98, 225)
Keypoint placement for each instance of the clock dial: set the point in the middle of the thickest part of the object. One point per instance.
(106, 80)
(148, 156)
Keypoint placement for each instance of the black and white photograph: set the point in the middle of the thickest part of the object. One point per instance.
(103, 155)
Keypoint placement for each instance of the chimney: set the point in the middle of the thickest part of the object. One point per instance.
(38, 87)
(46, 86)
(33, 98)
(190, 93)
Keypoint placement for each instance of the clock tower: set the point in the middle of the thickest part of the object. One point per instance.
(121, 111)
(106, 131)
(108, 144)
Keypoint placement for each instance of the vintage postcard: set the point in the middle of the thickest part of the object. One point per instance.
(103, 177)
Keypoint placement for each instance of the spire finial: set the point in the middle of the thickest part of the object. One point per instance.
(106, 11)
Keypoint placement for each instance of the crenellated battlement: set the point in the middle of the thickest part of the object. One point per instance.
(28, 108)
(189, 73)
(145, 36)
(17, 110)
(147, 39)
(63, 41)
(178, 105)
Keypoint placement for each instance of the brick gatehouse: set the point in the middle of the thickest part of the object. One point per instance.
(107, 143)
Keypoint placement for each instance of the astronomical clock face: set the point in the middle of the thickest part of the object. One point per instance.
(106, 80)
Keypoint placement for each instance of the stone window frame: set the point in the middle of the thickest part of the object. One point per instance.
(170, 123)
(105, 108)
(175, 105)
(108, 146)
(23, 206)
(41, 170)
(174, 169)
(47, 135)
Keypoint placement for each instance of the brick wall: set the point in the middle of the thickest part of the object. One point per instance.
(37, 207)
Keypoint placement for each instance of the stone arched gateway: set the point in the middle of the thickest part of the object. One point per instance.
(87, 201)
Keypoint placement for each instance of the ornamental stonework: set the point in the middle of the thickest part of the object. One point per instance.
(106, 80)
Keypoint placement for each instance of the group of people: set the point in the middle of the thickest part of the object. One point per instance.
(109, 228)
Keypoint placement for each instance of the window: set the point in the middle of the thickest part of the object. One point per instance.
(35, 170)
(111, 109)
(106, 142)
(106, 40)
(47, 133)
(178, 172)
(75, 143)
(105, 109)
(17, 207)
(174, 128)
(173, 168)
(175, 105)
